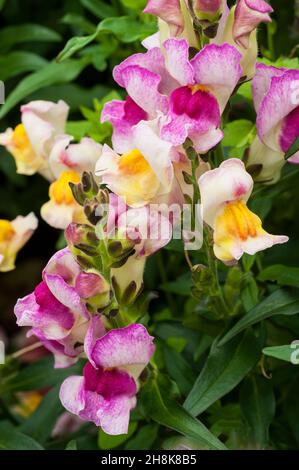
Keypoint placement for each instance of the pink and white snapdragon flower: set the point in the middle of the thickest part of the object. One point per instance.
(238, 27)
(56, 311)
(277, 125)
(188, 96)
(106, 393)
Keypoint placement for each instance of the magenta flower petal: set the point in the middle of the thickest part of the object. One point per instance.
(130, 347)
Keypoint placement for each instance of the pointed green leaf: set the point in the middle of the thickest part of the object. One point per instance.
(154, 398)
(258, 406)
(280, 302)
(224, 369)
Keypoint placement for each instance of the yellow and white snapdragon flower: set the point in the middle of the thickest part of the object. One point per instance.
(31, 141)
(224, 194)
(144, 174)
(13, 236)
(68, 161)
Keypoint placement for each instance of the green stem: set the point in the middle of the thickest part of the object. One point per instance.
(213, 266)
(196, 193)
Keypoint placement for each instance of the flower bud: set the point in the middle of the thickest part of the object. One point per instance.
(93, 287)
(128, 279)
(86, 190)
(207, 9)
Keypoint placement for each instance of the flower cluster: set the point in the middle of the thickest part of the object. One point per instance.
(163, 153)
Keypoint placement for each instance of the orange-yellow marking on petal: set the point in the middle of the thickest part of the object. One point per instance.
(198, 87)
(20, 138)
(133, 163)
(6, 230)
(236, 221)
(21, 147)
(137, 181)
(60, 191)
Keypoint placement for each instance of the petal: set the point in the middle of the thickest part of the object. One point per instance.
(61, 359)
(270, 117)
(72, 394)
(204, 142)
(95, 331)
(177, 61)
(208, 6)
(64, 264)
(108, 383)
(77, 157)
(58, 215)
(262, 81)
(156, 151)
(43, 120)
(227, 183)
(132, 270)
(114, 414)
(45, 313)
(65, 294)
(123, 115)
(238, 231)
(270, 162)
(192, 113)
(290, 130)
(152, 61)
(152, 227)
(169, 11)
(17, 143)
(218, 67)
(143, 86)
(23, 228)
(129, 348)
(248, 15)
(152, 41)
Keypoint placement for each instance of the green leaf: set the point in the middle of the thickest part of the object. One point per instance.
(134, 4)
(126, 28)
(224, 369)
(179, 369)
(283, 275)
(79, 21)
(74, 45)
(72, 445)
(288, 353)
(99, 8)
(182, 286)
(78, 129)
(238, 133)
(40, 424)
(14, 63)
(52, 73)
(280, 302)
(37, 376)
(154, 398)
(12, 35)
(144, 438)
(245, 91)
(258, 406)
(11, 439)
(293, 149)
(107, 441)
